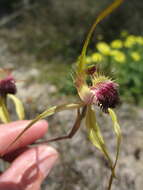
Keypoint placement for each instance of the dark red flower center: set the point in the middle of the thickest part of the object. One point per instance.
(7, 86)
(105, 95)
(91, 70)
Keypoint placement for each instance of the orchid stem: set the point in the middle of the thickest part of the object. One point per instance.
(115, 163)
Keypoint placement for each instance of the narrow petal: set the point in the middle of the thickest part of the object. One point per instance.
(18, 106)
(117, 131)
(95, 134)
(4, 114)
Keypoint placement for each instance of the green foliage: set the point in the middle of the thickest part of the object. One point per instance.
(56, 27)
(68, 86)
(52, 29)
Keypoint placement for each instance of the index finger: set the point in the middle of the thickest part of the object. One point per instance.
(8, 132)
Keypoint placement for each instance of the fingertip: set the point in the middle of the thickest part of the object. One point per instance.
(51, 156)
(42, 123)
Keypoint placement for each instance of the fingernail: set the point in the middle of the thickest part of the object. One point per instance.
(48, 157)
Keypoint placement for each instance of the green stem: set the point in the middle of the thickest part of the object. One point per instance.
(115, 163)
(110, 181)
(101, 16)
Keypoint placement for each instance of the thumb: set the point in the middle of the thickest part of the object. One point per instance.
(29, 170)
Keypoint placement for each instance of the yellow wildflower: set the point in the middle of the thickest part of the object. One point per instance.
(118, 56)
(88, 59)
(103, 48)
(130, 41)
(139, 40)
(96, 57)
(135, 56)
(117, 44)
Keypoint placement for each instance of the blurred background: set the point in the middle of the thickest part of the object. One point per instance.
(40, 41)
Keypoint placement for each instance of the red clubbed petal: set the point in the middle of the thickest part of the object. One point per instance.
(91, 70)
(106, 95)
(7, 86)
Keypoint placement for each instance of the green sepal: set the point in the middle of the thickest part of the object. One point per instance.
(4, 114)
(116, 125)
(18, 106)
(95, 134)
(117, 131)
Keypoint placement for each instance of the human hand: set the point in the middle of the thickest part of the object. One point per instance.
(29, 166)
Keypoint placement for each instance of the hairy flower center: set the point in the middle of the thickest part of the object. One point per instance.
(7, 86)
(105, 95)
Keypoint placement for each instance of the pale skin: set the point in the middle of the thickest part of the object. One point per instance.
(29, 165)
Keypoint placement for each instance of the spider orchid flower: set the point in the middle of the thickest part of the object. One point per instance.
(102, 92)
(8, 90)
